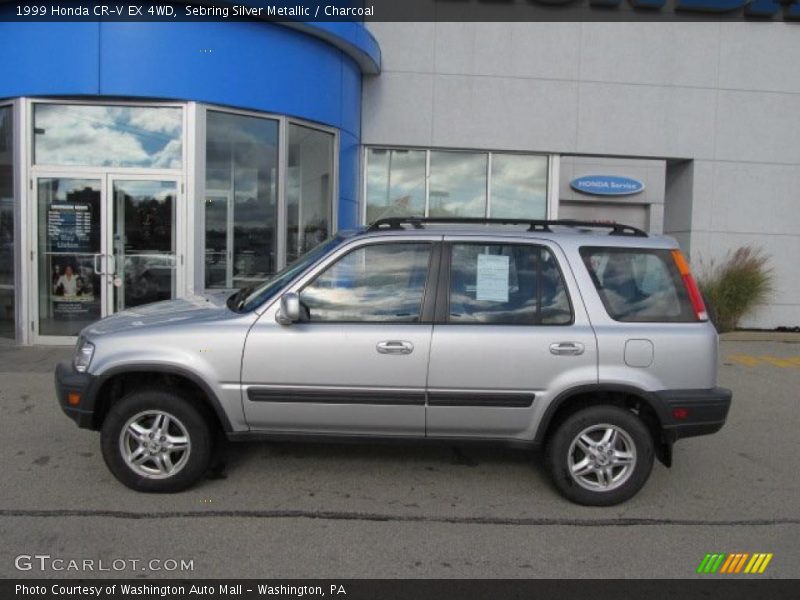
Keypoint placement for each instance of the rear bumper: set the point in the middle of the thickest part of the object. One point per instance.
(69, 381)
(704, 411)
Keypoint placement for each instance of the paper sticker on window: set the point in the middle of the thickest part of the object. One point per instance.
(492, 280)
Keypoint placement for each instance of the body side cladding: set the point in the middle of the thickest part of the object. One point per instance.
(391, 397)
(338, 438)
(478, 399)
(332, 396)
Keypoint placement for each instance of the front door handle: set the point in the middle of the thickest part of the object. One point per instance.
(395, 347)
(567, 348)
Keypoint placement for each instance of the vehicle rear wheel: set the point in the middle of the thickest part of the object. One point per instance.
(156, 441)
(600, 456)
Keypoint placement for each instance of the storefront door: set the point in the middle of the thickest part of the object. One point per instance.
(143, 246)
(104, 243)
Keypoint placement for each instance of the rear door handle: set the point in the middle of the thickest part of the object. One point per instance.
(395, 347)
(567, 348)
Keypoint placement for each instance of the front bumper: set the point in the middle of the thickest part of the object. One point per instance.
(703, 411)
(72, 386)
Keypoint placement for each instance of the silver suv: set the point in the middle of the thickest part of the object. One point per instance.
(588, 340)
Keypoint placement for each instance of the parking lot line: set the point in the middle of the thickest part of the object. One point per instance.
(783, 362)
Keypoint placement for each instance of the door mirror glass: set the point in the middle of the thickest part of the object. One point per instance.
(289, 311)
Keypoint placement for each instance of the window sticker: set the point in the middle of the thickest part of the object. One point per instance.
(492, 280)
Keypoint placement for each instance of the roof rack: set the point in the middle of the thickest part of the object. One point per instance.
(397, 223)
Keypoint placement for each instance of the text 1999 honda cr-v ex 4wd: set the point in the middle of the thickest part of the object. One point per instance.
(587, 340)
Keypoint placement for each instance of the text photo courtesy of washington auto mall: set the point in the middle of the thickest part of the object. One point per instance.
(378, 299)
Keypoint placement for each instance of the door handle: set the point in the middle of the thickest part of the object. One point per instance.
(395, 347)
(95, 263)
(567, 348)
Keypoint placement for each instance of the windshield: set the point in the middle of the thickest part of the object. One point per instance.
(247, 299)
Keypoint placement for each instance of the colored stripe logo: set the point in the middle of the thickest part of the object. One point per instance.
(737, 562)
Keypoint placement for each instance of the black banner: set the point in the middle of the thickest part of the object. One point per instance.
(299, 11)
(733, 588)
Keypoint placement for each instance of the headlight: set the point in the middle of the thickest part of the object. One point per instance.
(83, 355)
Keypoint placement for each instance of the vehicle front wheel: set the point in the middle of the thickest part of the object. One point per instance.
(600, 456)
(156, 441)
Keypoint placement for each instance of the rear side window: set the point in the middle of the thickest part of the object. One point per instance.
(506, 284)
(638, 285)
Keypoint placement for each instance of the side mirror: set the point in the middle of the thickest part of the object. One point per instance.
(289, 311)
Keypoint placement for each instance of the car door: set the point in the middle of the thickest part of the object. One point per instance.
(510, 333)
(356, 364)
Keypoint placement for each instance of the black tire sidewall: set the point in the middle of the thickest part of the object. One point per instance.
(196, 425)
(558, 448)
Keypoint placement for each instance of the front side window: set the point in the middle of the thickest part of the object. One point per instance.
(506, 284)
(381, 282)
(638, 285)
(108, 136)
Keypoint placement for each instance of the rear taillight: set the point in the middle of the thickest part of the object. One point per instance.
(691, 286)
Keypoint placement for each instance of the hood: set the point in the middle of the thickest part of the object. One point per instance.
(182, 311)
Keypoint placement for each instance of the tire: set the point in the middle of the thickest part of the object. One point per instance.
(137, 458)
(609, 468)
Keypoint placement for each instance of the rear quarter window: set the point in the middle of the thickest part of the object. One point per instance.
(638, 285)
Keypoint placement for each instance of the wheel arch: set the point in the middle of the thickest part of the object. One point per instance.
(118, 381)
(645, 404)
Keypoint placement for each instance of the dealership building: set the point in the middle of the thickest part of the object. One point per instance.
(147, 161)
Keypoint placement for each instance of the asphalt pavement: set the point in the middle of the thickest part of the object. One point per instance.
(342, 511)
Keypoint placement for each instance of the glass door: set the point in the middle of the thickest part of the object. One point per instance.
(104, 243)
(70, 257)
(143, 246)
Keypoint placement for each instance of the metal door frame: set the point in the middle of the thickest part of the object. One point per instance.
(112, 214)
(106, 177)
(36, 176)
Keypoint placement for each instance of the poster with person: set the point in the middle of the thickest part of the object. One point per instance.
(73, 287)
(69, 232)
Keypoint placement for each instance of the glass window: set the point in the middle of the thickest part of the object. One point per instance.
(144, 241)
(382, 282)
(638, 285)
(519, 186)
(70, 254)
(309, 189)
(457, 184)
(508, 284)
(7, 318)
(241, 199)
(108, 136)
(395, 183)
